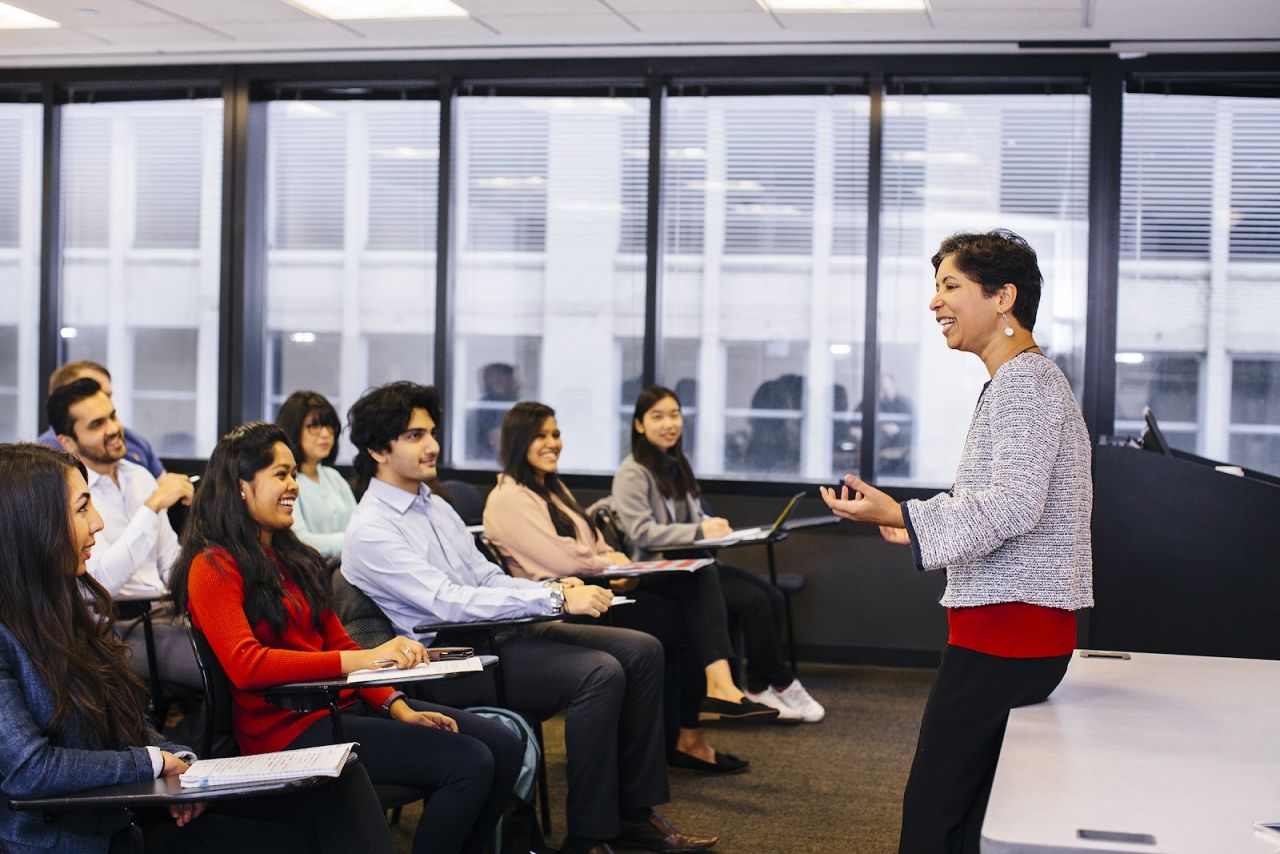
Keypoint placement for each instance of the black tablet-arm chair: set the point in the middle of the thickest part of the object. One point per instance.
(218, 738)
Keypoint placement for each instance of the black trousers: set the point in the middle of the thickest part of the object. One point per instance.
(469, 774)
(609, 681)
(759, 610)
(334, 818)
(960, 735)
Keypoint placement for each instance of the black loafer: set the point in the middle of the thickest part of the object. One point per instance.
(722, 710)
(726, 763)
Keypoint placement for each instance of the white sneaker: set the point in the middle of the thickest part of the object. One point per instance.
(797, 700)
(771, 698)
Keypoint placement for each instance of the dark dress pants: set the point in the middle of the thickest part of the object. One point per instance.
(468, 774)
(609, 682)
(759, 609)
(959, 744)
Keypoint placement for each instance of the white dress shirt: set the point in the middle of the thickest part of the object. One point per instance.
(136, 547)
(413, 556)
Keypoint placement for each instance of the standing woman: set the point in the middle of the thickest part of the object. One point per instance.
(73, 710)
(325, 501)
(542, 531)
(260, 597)
(656, 498)
(1013, 535)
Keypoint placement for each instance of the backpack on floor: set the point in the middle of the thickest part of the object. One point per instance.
(518, 831)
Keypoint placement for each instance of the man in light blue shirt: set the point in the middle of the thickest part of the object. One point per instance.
(412, 555)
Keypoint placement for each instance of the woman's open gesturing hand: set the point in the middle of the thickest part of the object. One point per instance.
(866, 504)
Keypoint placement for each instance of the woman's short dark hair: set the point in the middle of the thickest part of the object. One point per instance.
(670, 469)
(219, 520)
(994, 259)
(61, 619)
(381, 415)
(294, 413)
(521, 425)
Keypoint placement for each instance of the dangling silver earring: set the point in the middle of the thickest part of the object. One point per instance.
(1008, 330)
(242, 495)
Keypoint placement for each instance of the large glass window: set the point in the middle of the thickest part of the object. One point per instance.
(1200, 254)
(765, 280)
(550, 268)
(20, 127)
(141, 196)
(351, 248)
(971, 163)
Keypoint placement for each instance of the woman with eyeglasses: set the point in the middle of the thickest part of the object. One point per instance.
(325, 501)
(74, 713)
(260, 597)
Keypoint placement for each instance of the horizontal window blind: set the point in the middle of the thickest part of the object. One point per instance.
(86, 176)
(1255, 180)
(769, 163)
(307, 166)
(404, 168)
(11, 139)
(169, 155)
(504, 175)
(1166, 187)
(684, 181)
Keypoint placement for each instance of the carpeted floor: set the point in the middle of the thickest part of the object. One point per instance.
(833, 787)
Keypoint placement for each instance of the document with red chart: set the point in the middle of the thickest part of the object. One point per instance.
(648, 567)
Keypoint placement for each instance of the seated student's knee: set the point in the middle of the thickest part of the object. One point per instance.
(473, 765)
(603, 672)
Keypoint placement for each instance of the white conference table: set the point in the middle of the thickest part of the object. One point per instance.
(1157, 753)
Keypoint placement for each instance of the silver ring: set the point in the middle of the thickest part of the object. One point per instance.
(407, 650)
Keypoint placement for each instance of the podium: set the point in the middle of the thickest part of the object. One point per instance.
(1186, 558)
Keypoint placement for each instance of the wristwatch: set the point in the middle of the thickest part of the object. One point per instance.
(556, 594)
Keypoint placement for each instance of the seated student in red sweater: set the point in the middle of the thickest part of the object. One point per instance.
(259, 595)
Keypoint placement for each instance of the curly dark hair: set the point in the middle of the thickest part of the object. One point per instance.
(381, 415)
(994, 259)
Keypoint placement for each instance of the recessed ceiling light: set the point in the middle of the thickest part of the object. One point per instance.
(13, 18)
(842, 5)
(380, 10)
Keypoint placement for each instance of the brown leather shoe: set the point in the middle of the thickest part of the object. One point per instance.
(657, 834)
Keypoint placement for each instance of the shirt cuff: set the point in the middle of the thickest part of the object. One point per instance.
(397, 695)
(911, 534)
(157, 761)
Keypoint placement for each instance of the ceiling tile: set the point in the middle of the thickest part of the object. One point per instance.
(487, 8)
(1032, 23)
(231, 10)
(1002, 5)
(691, 7)
(161, 35)
(29, 41)
(312, 31)
(108, 12)
(847, 25)
(560, 28)
(705, 26)
(422, 33)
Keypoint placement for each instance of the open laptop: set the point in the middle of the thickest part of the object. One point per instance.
(756, 534)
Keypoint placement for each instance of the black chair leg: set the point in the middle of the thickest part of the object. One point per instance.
(395, 816)
(544, 796)
(791, 633)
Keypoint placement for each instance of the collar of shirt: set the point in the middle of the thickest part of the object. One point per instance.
(398, 499)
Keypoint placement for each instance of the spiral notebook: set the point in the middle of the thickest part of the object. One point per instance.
(325, 761)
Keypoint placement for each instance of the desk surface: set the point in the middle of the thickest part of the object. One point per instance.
(1184, 749)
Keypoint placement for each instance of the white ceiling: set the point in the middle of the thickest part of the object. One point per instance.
(134, 32)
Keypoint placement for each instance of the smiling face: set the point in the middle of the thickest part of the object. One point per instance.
(411, 457)
(269, 497)
(85, 521)
(97, 435)
(662, 424)
(968, 317)
(544, 450)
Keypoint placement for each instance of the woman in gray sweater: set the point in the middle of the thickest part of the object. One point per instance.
(1012, 534)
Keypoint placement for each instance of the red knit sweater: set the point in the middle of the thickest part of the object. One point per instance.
(257, 658)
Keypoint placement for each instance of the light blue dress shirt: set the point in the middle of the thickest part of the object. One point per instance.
(412, 555)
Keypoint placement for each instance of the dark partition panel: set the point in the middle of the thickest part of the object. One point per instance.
(1186, 558)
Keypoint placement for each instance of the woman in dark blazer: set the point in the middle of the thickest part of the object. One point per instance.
(72, 708)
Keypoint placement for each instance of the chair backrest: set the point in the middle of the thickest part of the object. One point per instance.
(360, 615)
(491, 552)
(609, 526)
(218, 737)
(465, 499)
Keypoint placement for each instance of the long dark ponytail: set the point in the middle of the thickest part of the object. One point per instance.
(521, 425)
(219, 520)
(61, 619)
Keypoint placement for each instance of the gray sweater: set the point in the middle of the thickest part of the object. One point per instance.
(1015, 527)
(648, 518)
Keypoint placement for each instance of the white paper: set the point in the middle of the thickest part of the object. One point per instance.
(425, 670)
(325, 761)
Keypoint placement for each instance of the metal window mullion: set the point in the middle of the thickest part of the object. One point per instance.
(50, 242)
(871, 334)
(651, 366)
(444, 251)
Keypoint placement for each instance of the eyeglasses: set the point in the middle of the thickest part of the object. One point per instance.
(315, 428)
